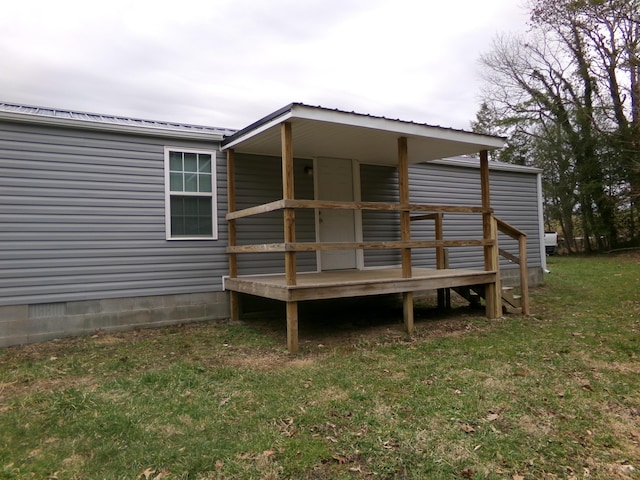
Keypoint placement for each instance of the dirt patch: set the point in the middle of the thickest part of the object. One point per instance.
(13, 389)
(345, 324)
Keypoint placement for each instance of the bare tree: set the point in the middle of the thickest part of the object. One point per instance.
(567, 97)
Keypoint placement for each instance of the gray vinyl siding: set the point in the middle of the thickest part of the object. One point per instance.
(514, 198)
(380, 184)
(82, 215)
(259, 181)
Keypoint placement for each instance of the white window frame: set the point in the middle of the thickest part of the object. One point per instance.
(168, 194)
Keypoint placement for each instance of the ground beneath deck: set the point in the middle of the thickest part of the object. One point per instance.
(334, 323)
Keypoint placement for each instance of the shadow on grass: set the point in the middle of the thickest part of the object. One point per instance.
(343, 321)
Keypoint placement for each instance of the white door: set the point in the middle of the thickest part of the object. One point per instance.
(334, 181)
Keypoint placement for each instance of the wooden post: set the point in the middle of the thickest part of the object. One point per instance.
(405, 229)
(444, 301)
(234, 300)
(524, 275)
(493, 293)
(292, 327)
(288, 194)
(289, 232)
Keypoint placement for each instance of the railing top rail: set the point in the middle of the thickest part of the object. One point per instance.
(379, 206)
(509, 229)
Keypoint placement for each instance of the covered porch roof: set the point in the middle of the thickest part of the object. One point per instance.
(321, 132)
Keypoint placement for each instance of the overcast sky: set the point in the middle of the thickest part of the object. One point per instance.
(227, 63)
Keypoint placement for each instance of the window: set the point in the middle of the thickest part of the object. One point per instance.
(190, 200)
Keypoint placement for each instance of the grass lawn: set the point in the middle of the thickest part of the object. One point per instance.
(556, 395)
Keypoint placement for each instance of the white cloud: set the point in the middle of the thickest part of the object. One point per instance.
(229, 62)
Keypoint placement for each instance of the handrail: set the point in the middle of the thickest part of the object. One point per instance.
(329, 204)
(509, 229)
(315, 246)
(521, 259)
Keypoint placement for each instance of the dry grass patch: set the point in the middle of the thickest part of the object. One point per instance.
(554, 396)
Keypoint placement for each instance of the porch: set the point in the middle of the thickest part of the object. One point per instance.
(355, 283)
(329, 134)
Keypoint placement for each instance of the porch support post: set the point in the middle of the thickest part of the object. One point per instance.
(405, 229)
(524, 275)
(234, 300)
(493, 292)
(289, 232)
(444, 294)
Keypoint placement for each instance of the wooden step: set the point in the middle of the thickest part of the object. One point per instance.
(511, 302)
(470, 294)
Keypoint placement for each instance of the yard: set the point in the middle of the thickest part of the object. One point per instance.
(556, 395)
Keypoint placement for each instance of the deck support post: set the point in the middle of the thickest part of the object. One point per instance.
(234, 297)
(292, 327)
(524, 275)
(405, 229)
(444, 294)
(289, 232)
(493, 292)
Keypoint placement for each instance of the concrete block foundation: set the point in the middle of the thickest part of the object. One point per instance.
(21, 324)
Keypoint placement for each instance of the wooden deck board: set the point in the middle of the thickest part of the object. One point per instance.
(355, 283)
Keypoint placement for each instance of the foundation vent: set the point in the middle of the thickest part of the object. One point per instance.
(47, 310)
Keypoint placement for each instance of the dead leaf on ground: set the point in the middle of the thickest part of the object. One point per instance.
(465, 427)
(147, 473)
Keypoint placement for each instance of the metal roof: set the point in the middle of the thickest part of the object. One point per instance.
(95, 121)
(322, 132)
(472, 162)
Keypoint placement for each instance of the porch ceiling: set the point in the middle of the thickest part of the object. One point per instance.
(320, 132)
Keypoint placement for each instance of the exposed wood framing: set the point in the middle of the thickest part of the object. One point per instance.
(288, 194)
(493, 294)
(293, 287)
(444, 294)
(289, 232)
(524, 275)
(354, 283)
(439, 231)
(405, 229)
(428, 216)
(258, 209)
(314, 247)
(521, 260)
(234, 300)
(509, 256)
(292, 326)
(380, 206)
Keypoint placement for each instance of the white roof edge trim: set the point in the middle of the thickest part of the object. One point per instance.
(469, 162)
(258, 130)
(397, 126)
(89, 125)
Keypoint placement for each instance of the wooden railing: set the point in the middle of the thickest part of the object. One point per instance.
(290, 246)
(520, 260)
(436, 213)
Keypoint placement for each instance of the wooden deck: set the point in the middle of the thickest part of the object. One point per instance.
(355, 283)
(293, 286)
